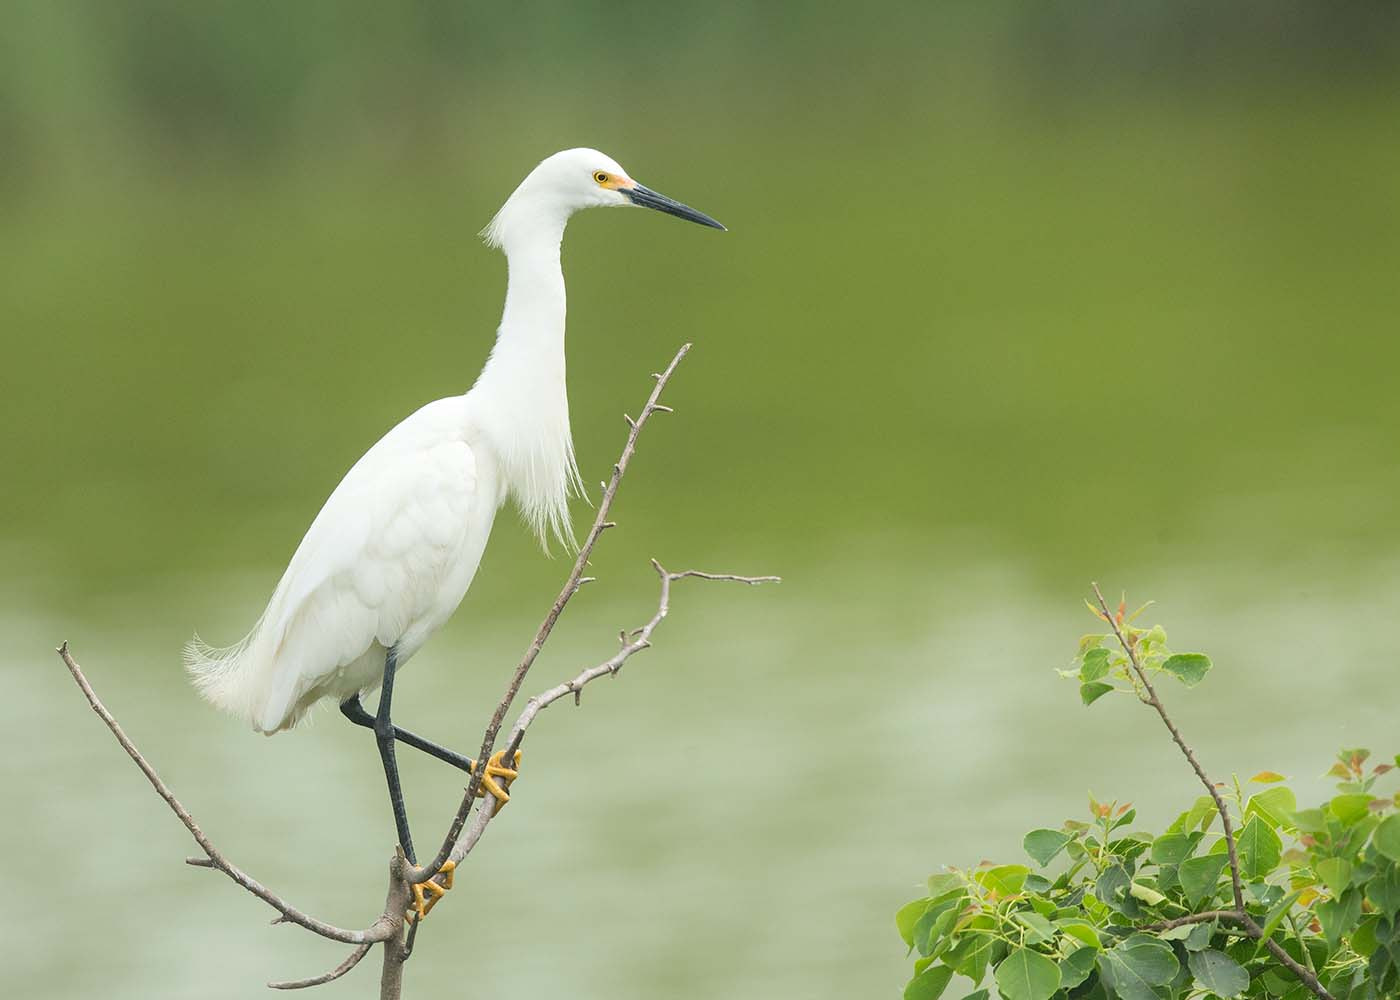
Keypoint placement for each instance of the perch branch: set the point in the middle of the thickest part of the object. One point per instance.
(1239, 914)
(640, 640)
(377, 931)
(388, 929)
(571, 587)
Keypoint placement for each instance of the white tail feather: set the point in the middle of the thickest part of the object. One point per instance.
(221, 675)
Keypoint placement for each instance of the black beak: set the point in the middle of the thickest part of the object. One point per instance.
(648, 198)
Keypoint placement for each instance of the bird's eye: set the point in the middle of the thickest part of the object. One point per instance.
(600, 177)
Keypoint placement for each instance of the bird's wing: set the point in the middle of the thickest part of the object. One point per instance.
(371, 566)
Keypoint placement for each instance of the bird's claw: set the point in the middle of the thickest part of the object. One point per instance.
(496, 769)
(426, 894)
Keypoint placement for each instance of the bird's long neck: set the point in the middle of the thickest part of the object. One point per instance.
(525, 409)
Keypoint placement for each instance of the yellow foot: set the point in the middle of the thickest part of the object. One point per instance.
(495, 769)
(426, 894)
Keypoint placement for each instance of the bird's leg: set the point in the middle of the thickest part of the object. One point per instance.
(425, 894)
(384, 737)
(353, 710)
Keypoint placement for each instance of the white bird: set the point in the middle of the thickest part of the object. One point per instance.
(391, 554)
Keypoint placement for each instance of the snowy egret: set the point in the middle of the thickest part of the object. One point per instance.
(391, 554)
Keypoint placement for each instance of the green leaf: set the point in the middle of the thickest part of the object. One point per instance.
(1154, 958)
(935, 922)
(1274, 806)
(1310, 820)
(1384, 893)
(977, 995)
(1172, 849)
(1259, 850)
(1218, 972)
(1363, 939)
(908, 916)
(929, 984)
(1338, 916)
(1386, 839)
(1075, 968)
(1275, 917)
(1189, 668)
(1199, 876)
(1335, 874)
(1080, 931)
(1027, 975)
(973, 952)
(1007, 880)
(1095, 665)
(943, 882)
(1146, 894)
(1137, 965)
(1199, 938)
(1112, 885)
(1041, 930)
(1090, 693)
(1350, 808)
(1088, 642)
(1043, 845)
(1201, 814)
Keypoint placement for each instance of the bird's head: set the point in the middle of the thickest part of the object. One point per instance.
(567, 182)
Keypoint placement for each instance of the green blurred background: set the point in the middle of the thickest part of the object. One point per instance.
(1015, 296)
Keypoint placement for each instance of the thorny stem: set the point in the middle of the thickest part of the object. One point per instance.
(1238, 915)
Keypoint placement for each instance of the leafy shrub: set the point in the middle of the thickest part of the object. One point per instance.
(1243, 895)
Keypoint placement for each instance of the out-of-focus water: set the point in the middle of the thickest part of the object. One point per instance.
(737, 814)
(953, 361)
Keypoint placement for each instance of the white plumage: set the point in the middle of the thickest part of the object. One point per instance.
(392, 553)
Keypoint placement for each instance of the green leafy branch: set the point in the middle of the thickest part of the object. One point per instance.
(1187, 913)
(1192, 668)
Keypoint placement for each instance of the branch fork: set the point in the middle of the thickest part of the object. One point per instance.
(390, 928)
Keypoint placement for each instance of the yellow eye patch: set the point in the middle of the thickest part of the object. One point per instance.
(611, 181)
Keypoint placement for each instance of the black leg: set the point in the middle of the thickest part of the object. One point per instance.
(353, 710)
(384, 736)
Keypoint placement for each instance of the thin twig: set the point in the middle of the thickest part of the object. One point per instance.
(641, 640)
(300, 984)
(1193, 918)
(571, 587)
(1236, 884)
(389, 928)
(1239, 915)
(377, 931)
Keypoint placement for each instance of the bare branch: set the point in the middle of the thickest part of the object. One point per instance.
(1238, 915)
(600, 523)
(1204, 917)
(641, 639)
(300, 984)
(609, 667)
(378, 931)
(389, 929)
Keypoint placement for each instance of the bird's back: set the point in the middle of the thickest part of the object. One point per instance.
(385, 563)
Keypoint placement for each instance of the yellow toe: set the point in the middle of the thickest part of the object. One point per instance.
(496, 769)
(426, 894)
